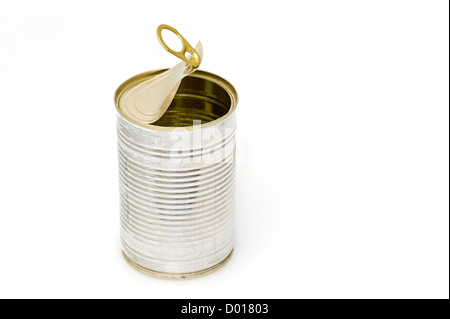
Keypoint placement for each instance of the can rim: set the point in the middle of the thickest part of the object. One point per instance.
(224, 84)
(178, 276)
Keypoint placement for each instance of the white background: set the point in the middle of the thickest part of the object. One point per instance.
(343, 144)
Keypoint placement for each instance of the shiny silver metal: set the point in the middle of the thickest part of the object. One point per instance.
(177, 180)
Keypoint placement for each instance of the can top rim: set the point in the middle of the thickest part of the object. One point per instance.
(199, 74)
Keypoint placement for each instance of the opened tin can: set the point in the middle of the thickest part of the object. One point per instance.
(177, 178)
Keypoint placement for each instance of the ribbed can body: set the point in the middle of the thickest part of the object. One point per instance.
(177, 196)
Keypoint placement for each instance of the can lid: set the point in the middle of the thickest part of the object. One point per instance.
(148, 101)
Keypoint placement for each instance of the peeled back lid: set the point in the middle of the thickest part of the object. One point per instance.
(147, 101)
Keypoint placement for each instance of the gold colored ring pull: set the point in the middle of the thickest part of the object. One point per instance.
(195, 59)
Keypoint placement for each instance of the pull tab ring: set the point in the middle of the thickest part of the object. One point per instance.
(186, 47)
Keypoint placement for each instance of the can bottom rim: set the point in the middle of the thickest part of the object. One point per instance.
(175, 276)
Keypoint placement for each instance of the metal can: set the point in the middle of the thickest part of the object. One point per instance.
(177, 179)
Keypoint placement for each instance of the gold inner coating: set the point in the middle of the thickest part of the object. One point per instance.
(196, 100)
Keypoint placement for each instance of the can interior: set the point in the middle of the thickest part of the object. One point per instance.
(197, 99)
